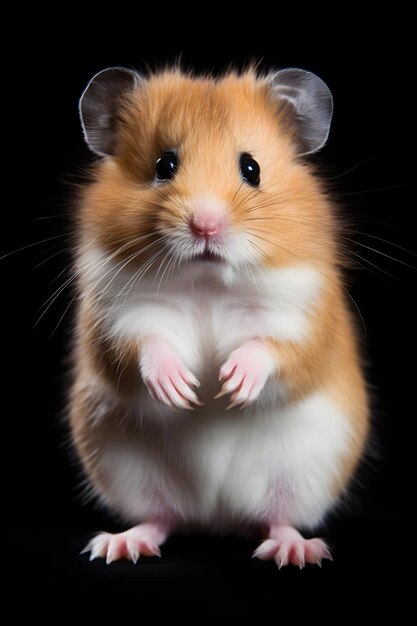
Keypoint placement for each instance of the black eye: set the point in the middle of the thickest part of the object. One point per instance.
(249, 170)
(166, 166)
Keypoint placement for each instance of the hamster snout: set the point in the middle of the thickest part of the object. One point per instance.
(208, 219)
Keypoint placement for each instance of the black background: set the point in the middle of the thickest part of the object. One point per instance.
(366, 162)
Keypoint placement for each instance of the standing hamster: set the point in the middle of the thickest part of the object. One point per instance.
(217, 383)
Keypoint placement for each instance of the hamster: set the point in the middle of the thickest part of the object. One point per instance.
(217, 380)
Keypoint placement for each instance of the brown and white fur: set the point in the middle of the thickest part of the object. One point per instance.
(206, 293)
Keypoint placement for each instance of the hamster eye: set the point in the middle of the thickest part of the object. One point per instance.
(249, 169)
(166, 166)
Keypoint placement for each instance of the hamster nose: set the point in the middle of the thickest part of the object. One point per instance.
(206, 225)
(208, 216)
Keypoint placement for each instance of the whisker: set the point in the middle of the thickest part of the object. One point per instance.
(49, 258)
(318, 227)
(248, 266)
(178, 203)
(81, 270)
(30, 245)
(355, 167)
(237, 191)
(67, 308)
(391, 243)
(124, 263)
(254, 245)
(253, 193)
(373, 265)
(274, 244)
(358, 310)
(47, 217)
(49, 302)
(357, 193)
(175, 258)
(162, 238)
(169, 257)
(137, 276)
(141, 273)
(388, 256)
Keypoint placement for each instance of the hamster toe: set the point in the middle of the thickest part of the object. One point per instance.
(288, 546)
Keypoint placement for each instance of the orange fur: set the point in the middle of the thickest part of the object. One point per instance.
(290, 218)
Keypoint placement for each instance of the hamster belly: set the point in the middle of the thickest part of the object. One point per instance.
(222, 468)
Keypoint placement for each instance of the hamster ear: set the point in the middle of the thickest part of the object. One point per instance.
(307, 105)
(100, 105)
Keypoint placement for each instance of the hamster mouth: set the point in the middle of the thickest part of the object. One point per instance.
(208, 256)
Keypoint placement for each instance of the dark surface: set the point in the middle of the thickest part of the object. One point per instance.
(367, 166)
(201, 577)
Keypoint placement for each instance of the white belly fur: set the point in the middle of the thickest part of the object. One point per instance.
(219, 469)
(270, 461)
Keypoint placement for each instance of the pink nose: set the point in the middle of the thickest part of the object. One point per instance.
(206, 225)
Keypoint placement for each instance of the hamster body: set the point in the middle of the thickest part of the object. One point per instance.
(217, 379)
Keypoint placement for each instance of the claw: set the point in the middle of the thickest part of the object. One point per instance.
(192, 397)
(298, 557)
(235, 402)
(87, 548)
(141, 540)
(327, 555)
(110, 556)
(246, 372)
(287, 545)
(282, 556)
(266, 550)
(94, 554)
(166, 376)
(225, 375)
(221, 393)
(132, 551)
(156, 551)
(151, 391)
(97, 549)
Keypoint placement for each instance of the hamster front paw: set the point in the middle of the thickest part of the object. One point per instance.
(165, 375)
(245, 373)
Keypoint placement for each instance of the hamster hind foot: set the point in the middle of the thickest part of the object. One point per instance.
(286, 545)
(140, 540)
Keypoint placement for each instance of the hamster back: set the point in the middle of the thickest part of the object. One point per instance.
(217, 382)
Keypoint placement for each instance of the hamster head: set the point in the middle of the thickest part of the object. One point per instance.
(207, 171)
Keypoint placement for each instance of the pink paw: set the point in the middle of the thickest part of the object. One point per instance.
(245, 373)
(131, 544)
(292, 548)
(165, 375)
